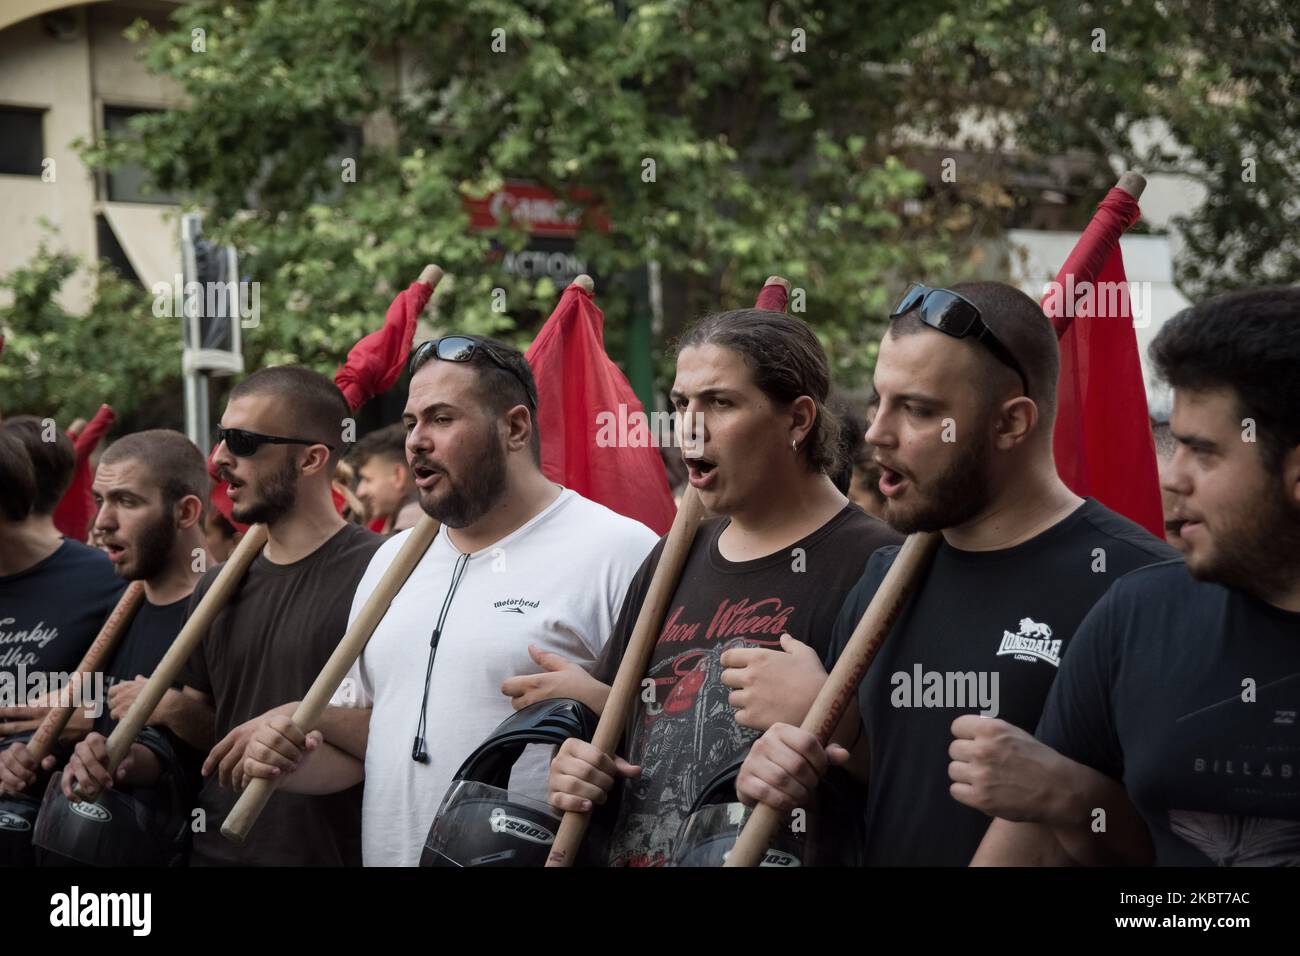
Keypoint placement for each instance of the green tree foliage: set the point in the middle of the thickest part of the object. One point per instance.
(1200, 88)
(64, 365)
(793, 138)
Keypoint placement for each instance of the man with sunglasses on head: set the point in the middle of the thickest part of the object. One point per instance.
(966, 379)
(280, 438)
(522, 572)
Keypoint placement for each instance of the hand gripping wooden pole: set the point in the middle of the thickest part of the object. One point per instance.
(900, 583)
(636, 659)
(251, 802)
(185, 643)
(95, 658)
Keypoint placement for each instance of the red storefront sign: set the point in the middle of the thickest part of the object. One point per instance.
(536, 209)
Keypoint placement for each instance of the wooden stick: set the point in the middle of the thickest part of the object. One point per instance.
(1132, 183)
(186, 642)
(307, 716)
(94, 659)
(636, 659)
(901, 582)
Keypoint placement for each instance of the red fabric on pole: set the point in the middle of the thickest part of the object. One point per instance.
(219, 496)
(76, 509)
(588, 415)
(1102, 441)
(375, 363)
(772, 297)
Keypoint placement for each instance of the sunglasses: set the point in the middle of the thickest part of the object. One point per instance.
(955, 315)
(244, 444)
(461, 348)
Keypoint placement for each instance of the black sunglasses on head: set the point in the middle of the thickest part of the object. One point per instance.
(244, 444)
(955, 315)
(461, 348)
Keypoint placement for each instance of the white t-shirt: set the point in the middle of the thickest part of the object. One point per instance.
(557, 582)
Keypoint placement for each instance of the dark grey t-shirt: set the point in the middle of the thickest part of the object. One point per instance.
(689, 732)
(1189, 693)
(264, 649)
(51, 612)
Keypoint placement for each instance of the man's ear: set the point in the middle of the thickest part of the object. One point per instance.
(1291, 475)
(189, 511)
(316, 459)
(1017, 419)
(803, 417)
(519, 428)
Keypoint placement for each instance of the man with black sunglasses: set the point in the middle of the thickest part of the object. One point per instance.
(280, 439)
(523, 572)
(966, 379)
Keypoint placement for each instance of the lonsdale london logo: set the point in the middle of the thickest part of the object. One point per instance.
(1033, 642)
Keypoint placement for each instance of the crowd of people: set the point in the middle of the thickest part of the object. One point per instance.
(1063, 687)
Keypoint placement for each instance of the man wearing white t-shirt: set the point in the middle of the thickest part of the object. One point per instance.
(521, 569)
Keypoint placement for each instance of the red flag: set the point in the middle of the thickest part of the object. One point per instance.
(773, 296)
(376, 362)
(76, 509)
(581, 393)
(1103, 440)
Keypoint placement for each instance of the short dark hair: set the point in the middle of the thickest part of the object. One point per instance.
(17, 478)
(388, 442)
(787, 362)
(852, 437)
(176, 464)
(317, 408)
(499, 389)
(52, 461)
(1249, 342)
(1020, 325)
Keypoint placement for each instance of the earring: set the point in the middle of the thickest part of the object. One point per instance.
(794, 444)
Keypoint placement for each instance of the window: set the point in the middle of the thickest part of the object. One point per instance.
(111, 250)
(22, 144)
(126, 183)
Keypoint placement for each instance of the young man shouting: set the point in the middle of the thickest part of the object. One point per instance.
(760, 587)
(521, 569)
(967, 384)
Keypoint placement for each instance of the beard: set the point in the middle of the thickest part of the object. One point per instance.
(154, 549)
(462, 502)
(956, 496)
(277, 495)
(1257, 548)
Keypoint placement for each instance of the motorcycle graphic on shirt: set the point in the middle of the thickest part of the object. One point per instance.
(688, 731)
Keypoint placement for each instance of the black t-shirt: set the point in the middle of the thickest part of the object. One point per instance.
(151, 632)
(690, 732)
(985, 633)
(1189, 693)
(51, 612)
(264, 649)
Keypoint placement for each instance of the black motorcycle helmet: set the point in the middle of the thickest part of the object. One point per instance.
(480, 823)
(717, 816)
(146, 827)
(18, 812)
